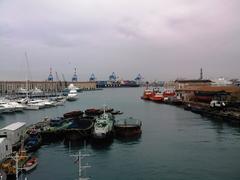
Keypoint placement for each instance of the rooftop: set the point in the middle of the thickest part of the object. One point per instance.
(194, 81)
(229, 89)
(14, 126)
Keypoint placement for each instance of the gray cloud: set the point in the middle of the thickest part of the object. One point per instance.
(160, 39)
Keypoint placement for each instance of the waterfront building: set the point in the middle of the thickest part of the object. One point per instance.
(13, 132)
(206, 93)
(5, 148)
(179, 84)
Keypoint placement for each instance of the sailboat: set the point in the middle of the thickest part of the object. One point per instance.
(29, 105)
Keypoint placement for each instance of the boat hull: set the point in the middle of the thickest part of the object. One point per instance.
(30, 165)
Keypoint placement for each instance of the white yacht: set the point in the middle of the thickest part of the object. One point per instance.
(72, 95)
(37, 91)
(34, 104)
(17, 107)
(72, 87)
(1, 109)
(6, 108)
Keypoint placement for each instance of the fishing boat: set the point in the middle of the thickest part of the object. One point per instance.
(103, 126)
(80, 128)
(33, 142)
(93, 112)
(55, 122)
(72, 95)
(128, 127)
(168, 93)
(147, 94)
(30, 164)
(73, 114)
(157, 97)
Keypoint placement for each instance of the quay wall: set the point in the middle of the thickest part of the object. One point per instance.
(11, 87)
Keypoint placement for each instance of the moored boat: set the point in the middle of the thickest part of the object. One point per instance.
(116, 112)
(30, 164)
(128, 127)
(168, 93)
(33, 142)
(147, 94)
(72, 95)
(58, 121)
(103, 126)
(157, 97)
(80, 128)
(73, 114)
(93, 112)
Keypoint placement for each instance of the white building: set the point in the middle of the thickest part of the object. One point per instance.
(5, 148)
(13, 132)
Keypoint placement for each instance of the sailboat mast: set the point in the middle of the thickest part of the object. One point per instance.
(26, 74)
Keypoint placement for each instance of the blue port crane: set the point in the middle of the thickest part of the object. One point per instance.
(50, 76)
(92, 77)
(113, 77)
(75, 78)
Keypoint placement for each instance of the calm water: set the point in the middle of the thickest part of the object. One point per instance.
(175, 144)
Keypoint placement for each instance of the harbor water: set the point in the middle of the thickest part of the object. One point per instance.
(175, 144)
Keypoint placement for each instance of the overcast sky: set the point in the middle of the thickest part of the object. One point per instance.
(160, 39)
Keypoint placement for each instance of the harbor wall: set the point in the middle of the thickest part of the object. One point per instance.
(11, 87)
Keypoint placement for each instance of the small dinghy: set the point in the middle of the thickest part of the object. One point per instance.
(30, 164)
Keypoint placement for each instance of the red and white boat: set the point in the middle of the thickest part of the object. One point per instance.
(157, 97)
(169, 93)
(30, 164)
(147, 94)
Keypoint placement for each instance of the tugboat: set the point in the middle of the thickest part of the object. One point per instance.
(103, 126)
(157, 97)
(169, 93)
(128, 128)
(147, 94)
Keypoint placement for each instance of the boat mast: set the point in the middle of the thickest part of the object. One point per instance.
(15, 158)
(81, 168)
(26, 56)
